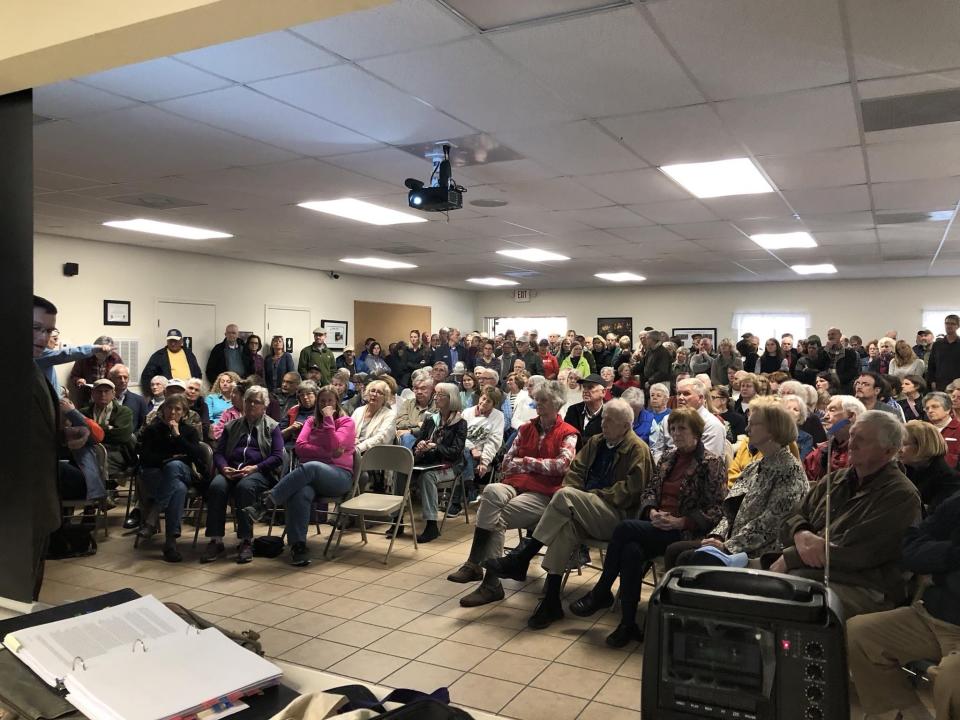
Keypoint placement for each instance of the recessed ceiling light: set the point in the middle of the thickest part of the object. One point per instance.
(169, 229)
(532, 254)
(621, 277)
(492, 281)
(362, 211)
(784, 241)
(824, 269)
(378, 263)
(720, 178)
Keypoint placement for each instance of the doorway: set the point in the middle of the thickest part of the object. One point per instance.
(293, 323)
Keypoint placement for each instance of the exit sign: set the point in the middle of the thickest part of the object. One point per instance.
(521, 296)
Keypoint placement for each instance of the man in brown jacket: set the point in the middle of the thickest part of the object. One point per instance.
(601, 488)
(872, 504)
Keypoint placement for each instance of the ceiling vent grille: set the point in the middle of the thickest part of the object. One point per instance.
(402, 250)
(904, 218)
(903, 111)
(153, 201)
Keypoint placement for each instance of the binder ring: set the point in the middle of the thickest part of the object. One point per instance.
(142, 644)
(83, 665)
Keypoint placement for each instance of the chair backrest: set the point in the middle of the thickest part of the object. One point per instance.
(100, 453)
(207, 469)
(357, 462)
(388, 457)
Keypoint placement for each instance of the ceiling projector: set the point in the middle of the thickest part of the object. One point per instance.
(442, 193)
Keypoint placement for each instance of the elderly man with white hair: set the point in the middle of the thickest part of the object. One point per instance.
(692, 393)
(602, 487)
(872, 503)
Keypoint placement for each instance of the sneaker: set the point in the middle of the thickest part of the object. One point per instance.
(483, 595)
(455, 510)
(511, 567)
(260, 509)
(244, 552)
(299, 555)
(212, 552)
(591, 603)
(468, 572)
(624, 634)
(547, 612)
(171, 554)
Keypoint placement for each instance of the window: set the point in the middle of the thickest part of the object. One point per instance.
(771, 325)
(931, 320)
(522, 325)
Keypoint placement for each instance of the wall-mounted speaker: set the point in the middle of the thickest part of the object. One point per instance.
(71, 269)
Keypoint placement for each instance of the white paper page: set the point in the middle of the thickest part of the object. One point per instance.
(50, 650)
(185, 673)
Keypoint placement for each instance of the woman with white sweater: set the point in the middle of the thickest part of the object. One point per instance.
(376, 422)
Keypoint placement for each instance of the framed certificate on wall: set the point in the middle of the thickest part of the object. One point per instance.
(116, 312)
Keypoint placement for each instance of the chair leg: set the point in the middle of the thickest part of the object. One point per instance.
(466, 501)
(393, 535)
(338, 526)
(273, 517)
(363, 528)
(198, 519)
(443, 519)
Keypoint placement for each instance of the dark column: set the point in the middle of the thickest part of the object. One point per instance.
(16, 365)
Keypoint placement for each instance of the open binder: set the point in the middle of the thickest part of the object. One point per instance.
(140, 661)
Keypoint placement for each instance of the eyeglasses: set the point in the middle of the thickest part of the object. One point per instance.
(44, 330)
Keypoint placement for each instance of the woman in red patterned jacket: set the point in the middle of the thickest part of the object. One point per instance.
(533, 471)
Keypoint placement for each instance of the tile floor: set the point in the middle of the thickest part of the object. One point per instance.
(398, 625)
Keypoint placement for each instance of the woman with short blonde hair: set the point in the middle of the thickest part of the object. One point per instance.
(924, 457)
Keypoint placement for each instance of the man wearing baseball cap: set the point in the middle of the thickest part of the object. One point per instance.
(117, 423)
(173, 360)
(585, 415)
(320, 355)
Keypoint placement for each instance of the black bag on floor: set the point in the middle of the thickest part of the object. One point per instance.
(71, 540)
(268, 546)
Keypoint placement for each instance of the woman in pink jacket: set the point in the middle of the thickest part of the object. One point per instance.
(325, 449)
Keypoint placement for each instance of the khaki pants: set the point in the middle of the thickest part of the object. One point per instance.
(502, 508)
(879, 643)
(571, 516)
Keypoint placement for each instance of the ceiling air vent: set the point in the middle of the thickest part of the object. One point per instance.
(153, 201)
(521, 273)
(903, 218)
(903, 111)
(402, 250)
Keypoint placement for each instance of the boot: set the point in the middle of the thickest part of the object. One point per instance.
(430, 532)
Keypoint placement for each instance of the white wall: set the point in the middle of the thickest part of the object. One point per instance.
(239, 289)
(868, 308)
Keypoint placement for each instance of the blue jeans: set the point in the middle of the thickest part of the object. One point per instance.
(240, 493)
(167, 487)
(428, 490)
(298, 490)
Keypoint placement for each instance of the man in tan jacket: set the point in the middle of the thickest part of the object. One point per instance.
(872, 504)
(602, 488)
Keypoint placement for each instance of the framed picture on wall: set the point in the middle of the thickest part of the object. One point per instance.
(336, 333)
(116, 312)
(619, 326)
(686, 333)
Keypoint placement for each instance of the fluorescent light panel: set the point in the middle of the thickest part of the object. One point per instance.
(720, 178)
(784, 241)
(155, 227)
(824, 269)
(621, 277)
(378, 263)
(533, 255)
(492, 281)
(361, 211)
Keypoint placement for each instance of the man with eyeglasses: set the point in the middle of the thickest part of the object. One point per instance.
(943, 363)
(44, 444)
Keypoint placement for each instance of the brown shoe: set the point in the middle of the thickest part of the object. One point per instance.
(468, 572)
(483, 595)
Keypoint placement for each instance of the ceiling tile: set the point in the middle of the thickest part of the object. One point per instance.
(823, 201)
(740, 207)
(351, 97)
(651, 234)
(387, 164)
(707, 231)
(259, 57)
(635, 187)
(59, 181)
(472, 81)
(605, 63)
(154, 80)
(890, 37)
(823, 168)
(911, 234)
(143, 142)
(509, 171)
(246, 112)
(917, 195)
(793, 122)
(555, 194)
(909, 84)
(840, 221)
(679, 135)
(395, 27)
(607, 217)
(847, 237)
(890, 162)
(728, 245)
(579, 148)
(69, 99)
(752, 47)
(675, 212)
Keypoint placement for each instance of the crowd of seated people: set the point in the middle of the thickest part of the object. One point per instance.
(681, 452)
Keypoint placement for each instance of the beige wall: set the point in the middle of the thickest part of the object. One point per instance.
(239, 289)
(865, 307)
